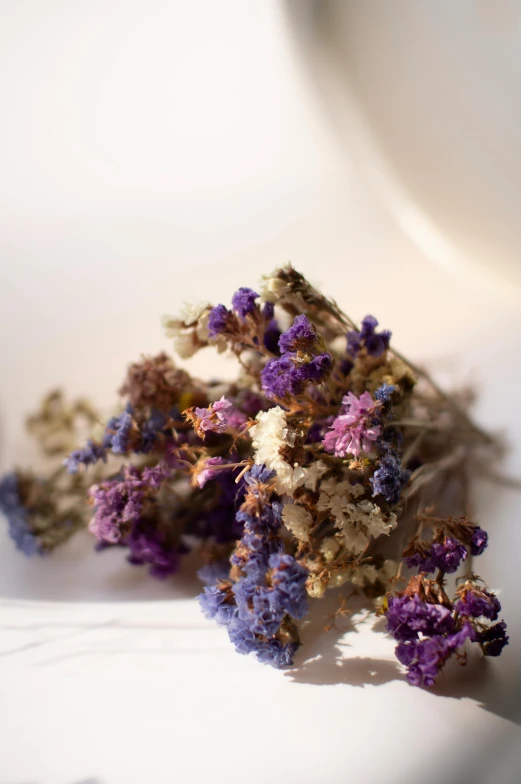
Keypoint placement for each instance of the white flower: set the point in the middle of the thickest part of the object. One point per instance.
(272, 287)
(298, 520)
(315, 471)
(269, 436)
(189, 329)
(329, 548)
(357, 521)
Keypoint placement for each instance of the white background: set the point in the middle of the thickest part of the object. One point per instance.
(160, 151)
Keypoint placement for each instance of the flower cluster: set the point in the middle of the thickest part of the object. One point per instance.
(429, 628)
(306, 473)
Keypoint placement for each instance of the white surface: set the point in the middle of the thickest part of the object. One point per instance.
(160, 151)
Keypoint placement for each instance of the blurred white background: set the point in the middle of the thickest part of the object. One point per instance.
(158, 151)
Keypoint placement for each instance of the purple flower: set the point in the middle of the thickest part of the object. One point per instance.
(389, 478)
(87, 455)
(288, 580)
(148, 547)
(352, 431)
(19, 526)
(289, 376)
(119, 502)
(493, 639)
(408, 615)
(384, 392)
(479, 541)
(425, 658)
(268, 310)
(301, 336)
(219, 320)
(272, 651)
(375, 343)
(448, 555)
(243, 301)
(117, 432)
(476, 603)
(217, 603)
(272, 335)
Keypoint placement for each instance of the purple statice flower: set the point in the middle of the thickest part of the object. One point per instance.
(272, 335)
(90, 454)
(271, 651)
(478, 541)
(118, 503)
(258, 475)
(288, 580)
(374, 342)
(277, 654)
(118, 430)
(257, 607)
(389, 478)
(208, 473)
(289, 376)
(409, 615)
(493, 639)
(213, 572)
(384, 393)
(352, 431)
(151, 429)
(448, 555)
(148, 547)
(217, 603)
(476, 603)
(301, 336)
(18, 522)
(425, 658)
(243, 301)
(345, 366)
(268, 310)
(219, 320)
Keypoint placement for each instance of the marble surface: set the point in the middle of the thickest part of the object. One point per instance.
(107, 676)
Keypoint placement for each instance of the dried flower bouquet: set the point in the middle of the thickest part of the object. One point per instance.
(318, 467)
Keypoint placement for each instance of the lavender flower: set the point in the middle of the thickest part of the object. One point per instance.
(352, 431)
(243, 302)
(288, 580)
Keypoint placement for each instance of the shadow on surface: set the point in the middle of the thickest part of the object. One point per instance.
(493, 684)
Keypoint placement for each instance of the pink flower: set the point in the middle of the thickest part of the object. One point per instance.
(215, 417)
(207, 471)
(352, 431)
